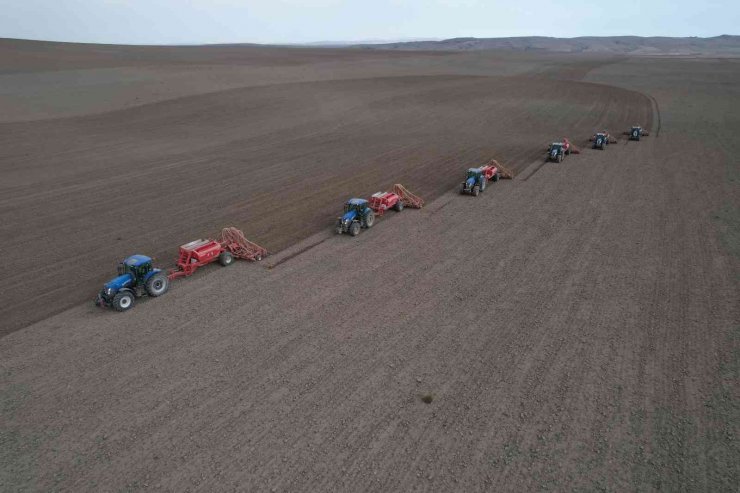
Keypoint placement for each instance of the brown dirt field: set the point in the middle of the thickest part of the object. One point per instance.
(277, 161)
(577, 330)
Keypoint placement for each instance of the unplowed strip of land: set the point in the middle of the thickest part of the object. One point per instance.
(78, 194)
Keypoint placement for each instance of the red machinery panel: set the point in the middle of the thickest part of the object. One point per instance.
(381, 201)
(202, 250)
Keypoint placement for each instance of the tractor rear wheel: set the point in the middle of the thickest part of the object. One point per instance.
(476, 191)
(483, 184)
(354, 228)
(157, 285)
(369, 219)
(226, 258)
(399, 206)
(123, 301)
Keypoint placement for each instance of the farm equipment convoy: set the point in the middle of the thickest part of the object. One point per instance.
(476, 179)
(601, 140)
(636, 132)
(137, 277)
(558, 150)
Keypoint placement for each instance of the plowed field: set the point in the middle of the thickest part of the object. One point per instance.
(276, 160)
(574, 329)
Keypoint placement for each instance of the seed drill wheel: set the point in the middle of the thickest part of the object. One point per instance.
(226, 259)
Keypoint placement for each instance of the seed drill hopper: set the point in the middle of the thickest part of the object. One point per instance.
(230, 244)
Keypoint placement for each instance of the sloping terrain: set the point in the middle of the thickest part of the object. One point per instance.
(574, 330)
(724, 45)
(276, 160)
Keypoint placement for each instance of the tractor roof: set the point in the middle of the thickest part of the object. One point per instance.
(558, 144)
(136, 260)
(474, 170)
(357, 201)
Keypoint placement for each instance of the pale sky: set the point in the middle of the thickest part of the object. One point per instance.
(301, 21)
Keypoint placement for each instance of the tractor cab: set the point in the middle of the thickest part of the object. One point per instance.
(474, 173)
(356, 205)
(137, 266)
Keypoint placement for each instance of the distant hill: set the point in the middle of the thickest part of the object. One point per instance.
(724, 45)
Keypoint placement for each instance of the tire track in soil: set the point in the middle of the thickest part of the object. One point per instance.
(657, 112)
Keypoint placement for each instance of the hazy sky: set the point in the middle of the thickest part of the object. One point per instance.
(298, 21)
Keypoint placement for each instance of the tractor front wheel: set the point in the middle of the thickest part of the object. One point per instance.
(123, 301)
(157, 285)
(354, 229)
(226, 258)
(476, 191)
(560, 158)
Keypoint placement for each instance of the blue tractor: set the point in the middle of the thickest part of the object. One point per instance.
(357, 215)
(601, 140)
(136, 277)
(475, 182)
(556, 152)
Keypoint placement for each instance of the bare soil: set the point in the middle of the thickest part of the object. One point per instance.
(577, 330)
(275, 160)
